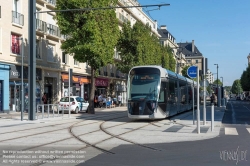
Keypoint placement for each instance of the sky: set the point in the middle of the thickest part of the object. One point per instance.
(220, 30)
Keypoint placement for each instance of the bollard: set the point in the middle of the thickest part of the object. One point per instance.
(212, 117)
(42, 111)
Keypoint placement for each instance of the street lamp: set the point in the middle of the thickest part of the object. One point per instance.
(217, 79)
(22, 91)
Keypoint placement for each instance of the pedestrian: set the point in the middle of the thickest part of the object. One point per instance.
(26, 101)
(119, 100)
(44, 98)
(100, 100)
(96, 101)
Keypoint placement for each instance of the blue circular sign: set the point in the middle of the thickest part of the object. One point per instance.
(192, 71)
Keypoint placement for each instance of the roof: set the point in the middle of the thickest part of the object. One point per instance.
(186, 49)
(164, 33)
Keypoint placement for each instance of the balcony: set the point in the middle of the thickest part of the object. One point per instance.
(53, 30)
(51, 2)
(17, 18)
(41, 25)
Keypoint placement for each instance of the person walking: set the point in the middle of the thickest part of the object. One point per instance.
(119, 100)
(44, 98)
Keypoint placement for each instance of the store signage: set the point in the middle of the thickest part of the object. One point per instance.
(101, 82)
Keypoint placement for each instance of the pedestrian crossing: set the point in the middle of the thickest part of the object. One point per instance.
(231, 131)
(207, 129)
(234, 131)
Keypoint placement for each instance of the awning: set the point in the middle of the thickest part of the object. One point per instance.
(75, 79)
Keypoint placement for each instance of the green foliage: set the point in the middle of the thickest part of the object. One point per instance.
(219, 82)
(184, 71)
(138, 46)
(245, 79)
(236, 87)
(91, 34)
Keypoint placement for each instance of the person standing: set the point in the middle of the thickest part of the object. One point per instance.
(44, 98)
(119, 100)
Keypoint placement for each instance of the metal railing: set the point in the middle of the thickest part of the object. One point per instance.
(41, 25)
(17, 18)
(47, 109)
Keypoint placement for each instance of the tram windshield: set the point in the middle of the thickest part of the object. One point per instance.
(144, 83)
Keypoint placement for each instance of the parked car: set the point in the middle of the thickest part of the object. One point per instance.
(76, 104)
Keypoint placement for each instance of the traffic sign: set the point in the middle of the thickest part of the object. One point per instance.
(192, 71)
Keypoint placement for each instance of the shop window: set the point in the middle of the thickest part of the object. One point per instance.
(15, 44)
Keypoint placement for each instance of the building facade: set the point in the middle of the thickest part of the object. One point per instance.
(52, 64)
(210, 77)
(193, 56)
(167, 39)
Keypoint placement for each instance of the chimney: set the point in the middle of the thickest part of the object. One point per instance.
(163, 27)
(192, 46)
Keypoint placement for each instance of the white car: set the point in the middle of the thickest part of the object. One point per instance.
(76, 104)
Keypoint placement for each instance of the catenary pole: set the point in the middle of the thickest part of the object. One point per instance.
(32, 60)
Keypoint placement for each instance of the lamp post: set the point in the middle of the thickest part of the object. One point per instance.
(22, 91)
(217, 79)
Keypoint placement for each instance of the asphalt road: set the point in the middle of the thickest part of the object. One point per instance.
(231, 147)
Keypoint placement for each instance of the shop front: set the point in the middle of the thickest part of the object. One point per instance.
(101, 85)
(80, 86)
(4, 83)
(15, 92)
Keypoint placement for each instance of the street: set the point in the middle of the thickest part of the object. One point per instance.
(110, 138)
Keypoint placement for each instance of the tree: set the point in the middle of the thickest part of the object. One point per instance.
(245, 79)
(219, 82)
(236, 87)
(138, 46)
(184, 71)
(91, 35)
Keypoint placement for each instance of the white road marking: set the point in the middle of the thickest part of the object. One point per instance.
(248, 129)
(231, 131)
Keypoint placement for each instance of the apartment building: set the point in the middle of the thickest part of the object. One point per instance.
(167, 39)
(52, 63)
(210, 77)
(193, 55)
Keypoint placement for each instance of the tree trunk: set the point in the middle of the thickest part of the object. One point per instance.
(91, 108)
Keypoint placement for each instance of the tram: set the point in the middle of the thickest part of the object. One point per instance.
(156, 93)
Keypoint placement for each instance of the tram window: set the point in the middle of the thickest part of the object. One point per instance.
(172, 95)
(162, 92)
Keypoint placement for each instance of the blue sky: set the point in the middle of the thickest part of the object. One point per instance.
(219, 28)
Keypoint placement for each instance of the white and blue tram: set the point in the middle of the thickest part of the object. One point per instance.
(157, 93)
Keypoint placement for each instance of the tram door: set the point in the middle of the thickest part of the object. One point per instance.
(1, 96)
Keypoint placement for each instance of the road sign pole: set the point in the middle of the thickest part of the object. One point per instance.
(198, 102)
(204, 95)
(193, 103)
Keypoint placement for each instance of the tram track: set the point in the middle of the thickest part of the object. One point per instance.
(58, 124)
(24, 136)
(127, 140)
(88, 144)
